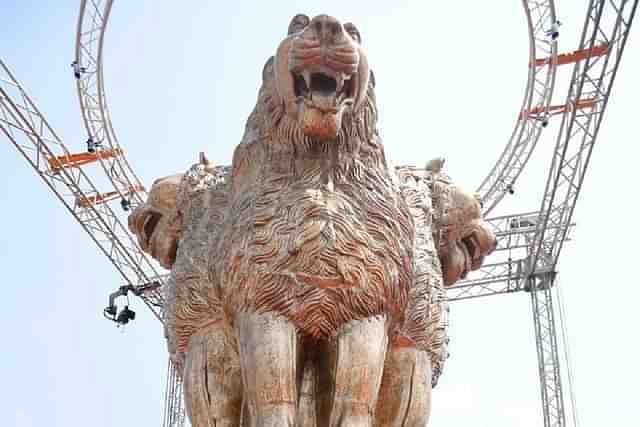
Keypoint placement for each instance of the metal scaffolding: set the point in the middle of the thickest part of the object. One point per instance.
(26, 128)
(597, 59)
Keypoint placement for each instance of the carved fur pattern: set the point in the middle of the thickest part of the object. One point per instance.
(316, 232)
(200, 205)
(425, 324)
(319, 232)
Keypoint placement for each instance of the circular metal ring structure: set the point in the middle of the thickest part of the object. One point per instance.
(92, 24)
(532, 116)
(91, 28)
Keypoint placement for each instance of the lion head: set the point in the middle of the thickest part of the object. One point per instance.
(154, 223)
(462, 237)
(317, 88)
(320, 73)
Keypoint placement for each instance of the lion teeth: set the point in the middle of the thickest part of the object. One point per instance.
(339, 82)
(306, 75)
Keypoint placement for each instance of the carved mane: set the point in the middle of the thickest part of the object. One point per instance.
(316, 230)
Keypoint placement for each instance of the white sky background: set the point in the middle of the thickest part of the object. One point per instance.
(450, 79)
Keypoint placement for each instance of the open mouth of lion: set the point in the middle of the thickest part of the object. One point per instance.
(324, 90)
(322, 96)
(321, 72)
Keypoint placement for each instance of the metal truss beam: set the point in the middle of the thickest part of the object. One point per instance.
(504, 271)
(515, 231)
(492, 279)
(547, 349)
(174, 411)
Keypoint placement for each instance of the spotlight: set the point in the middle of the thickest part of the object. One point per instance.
(125, 315)
(91, 146)
(554, 32)
(78, 71)
(126, 205)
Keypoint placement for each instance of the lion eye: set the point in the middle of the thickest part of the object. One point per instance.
(298, 23)
(353, 32)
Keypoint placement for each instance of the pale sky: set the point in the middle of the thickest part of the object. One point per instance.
(450, 79)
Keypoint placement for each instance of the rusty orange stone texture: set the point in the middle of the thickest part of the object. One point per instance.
(307, 278)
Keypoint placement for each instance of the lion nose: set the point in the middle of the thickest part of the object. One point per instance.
(326, 28)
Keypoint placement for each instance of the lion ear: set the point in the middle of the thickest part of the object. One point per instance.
(267, 69)
(351, 29)
(298, 23)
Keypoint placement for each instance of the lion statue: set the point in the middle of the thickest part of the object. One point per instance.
(307, 279)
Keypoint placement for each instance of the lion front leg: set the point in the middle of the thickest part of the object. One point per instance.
(269, 353)
(405, 393)
(350, 370)
(212, 379)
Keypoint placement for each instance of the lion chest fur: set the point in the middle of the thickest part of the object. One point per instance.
(319, 241)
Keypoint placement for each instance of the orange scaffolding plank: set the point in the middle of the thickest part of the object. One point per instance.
(553, 110)
(105, 197)
(575, 56)
(77, 160)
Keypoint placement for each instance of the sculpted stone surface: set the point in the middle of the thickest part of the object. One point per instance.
(307, 279)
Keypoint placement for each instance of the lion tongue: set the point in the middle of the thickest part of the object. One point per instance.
(324, 101)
